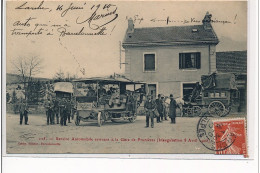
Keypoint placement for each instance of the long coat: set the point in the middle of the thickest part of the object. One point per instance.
(172, 109)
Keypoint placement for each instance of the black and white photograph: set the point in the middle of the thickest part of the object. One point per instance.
(90, 77)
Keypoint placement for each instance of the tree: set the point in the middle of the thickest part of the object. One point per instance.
(27, 68)
(59, 76)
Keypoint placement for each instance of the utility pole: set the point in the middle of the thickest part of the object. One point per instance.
(120, 55)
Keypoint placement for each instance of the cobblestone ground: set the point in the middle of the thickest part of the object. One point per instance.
(112, 137)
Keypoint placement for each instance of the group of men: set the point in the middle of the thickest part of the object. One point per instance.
(158, 108)
(59, 109)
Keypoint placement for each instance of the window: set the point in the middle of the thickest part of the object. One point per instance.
(187, 90)
(189, 60)
(223, 94)
(149, 62)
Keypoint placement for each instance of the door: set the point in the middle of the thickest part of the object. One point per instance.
(187, 89)
(152, 90)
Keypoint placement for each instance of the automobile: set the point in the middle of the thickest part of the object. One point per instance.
(102, 99)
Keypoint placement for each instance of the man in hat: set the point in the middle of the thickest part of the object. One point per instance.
(23, 109)
(159, 106)
(56, 110)
(165, 107)
(172, 109)
(49, 110)
(63, 112)
(149, 107)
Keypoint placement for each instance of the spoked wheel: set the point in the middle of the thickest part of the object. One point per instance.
(227, 111)
(101, 119)
(216, 109)
(132, 119)
(77, 120)
(196, 111)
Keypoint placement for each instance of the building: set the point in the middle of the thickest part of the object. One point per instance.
(235, 62)
(170, 59)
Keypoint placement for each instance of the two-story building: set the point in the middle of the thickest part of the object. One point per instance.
(170, 59)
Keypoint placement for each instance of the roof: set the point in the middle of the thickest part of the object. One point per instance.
(232, 62)
(66, 87)
(107, 80)
(192, 34)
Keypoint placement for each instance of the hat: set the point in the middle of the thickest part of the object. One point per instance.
(171, 96)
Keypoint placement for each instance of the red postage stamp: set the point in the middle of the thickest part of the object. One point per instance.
(231, 135)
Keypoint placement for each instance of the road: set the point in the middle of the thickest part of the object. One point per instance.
(118, 137)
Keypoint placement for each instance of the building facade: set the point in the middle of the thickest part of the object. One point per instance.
(170, 59)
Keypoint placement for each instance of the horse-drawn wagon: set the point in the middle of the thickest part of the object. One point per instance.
(214, 96)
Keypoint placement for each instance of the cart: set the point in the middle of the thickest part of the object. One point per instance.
(104, 99)
(215, 98)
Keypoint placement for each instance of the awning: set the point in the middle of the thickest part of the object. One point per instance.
(66, 87)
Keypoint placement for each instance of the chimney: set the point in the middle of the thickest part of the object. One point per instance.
(131, 26)
(207, 21)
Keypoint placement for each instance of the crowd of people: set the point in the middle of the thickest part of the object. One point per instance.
(159, 109)
(59, 111)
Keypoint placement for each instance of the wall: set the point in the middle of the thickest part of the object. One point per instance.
(168, 75)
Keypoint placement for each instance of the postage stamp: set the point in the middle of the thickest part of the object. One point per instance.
(231, 135)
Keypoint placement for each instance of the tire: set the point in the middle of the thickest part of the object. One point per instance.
(216, 109)
(196, 111)
(227, 111)
(100, 119)
(77, 121)
(132, 119)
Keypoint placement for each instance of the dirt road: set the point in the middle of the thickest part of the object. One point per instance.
(120, 137)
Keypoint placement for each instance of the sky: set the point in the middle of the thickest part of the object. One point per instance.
(99, 55)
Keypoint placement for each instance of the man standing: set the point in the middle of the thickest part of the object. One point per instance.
(68, 109)
(63, 112)
(56, 110)
(23, 109)
(149, 107)
(165, 112)
(172, 109)
(159, 106)
(49, 111)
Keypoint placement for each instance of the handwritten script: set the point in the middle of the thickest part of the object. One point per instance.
(79, 19)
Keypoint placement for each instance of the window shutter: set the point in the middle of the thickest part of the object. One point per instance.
(180, 61)
(198, 61)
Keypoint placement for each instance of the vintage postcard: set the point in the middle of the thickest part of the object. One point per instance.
(119, 77)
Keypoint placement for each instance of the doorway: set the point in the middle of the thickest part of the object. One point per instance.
(152, 90)
(187, 89)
